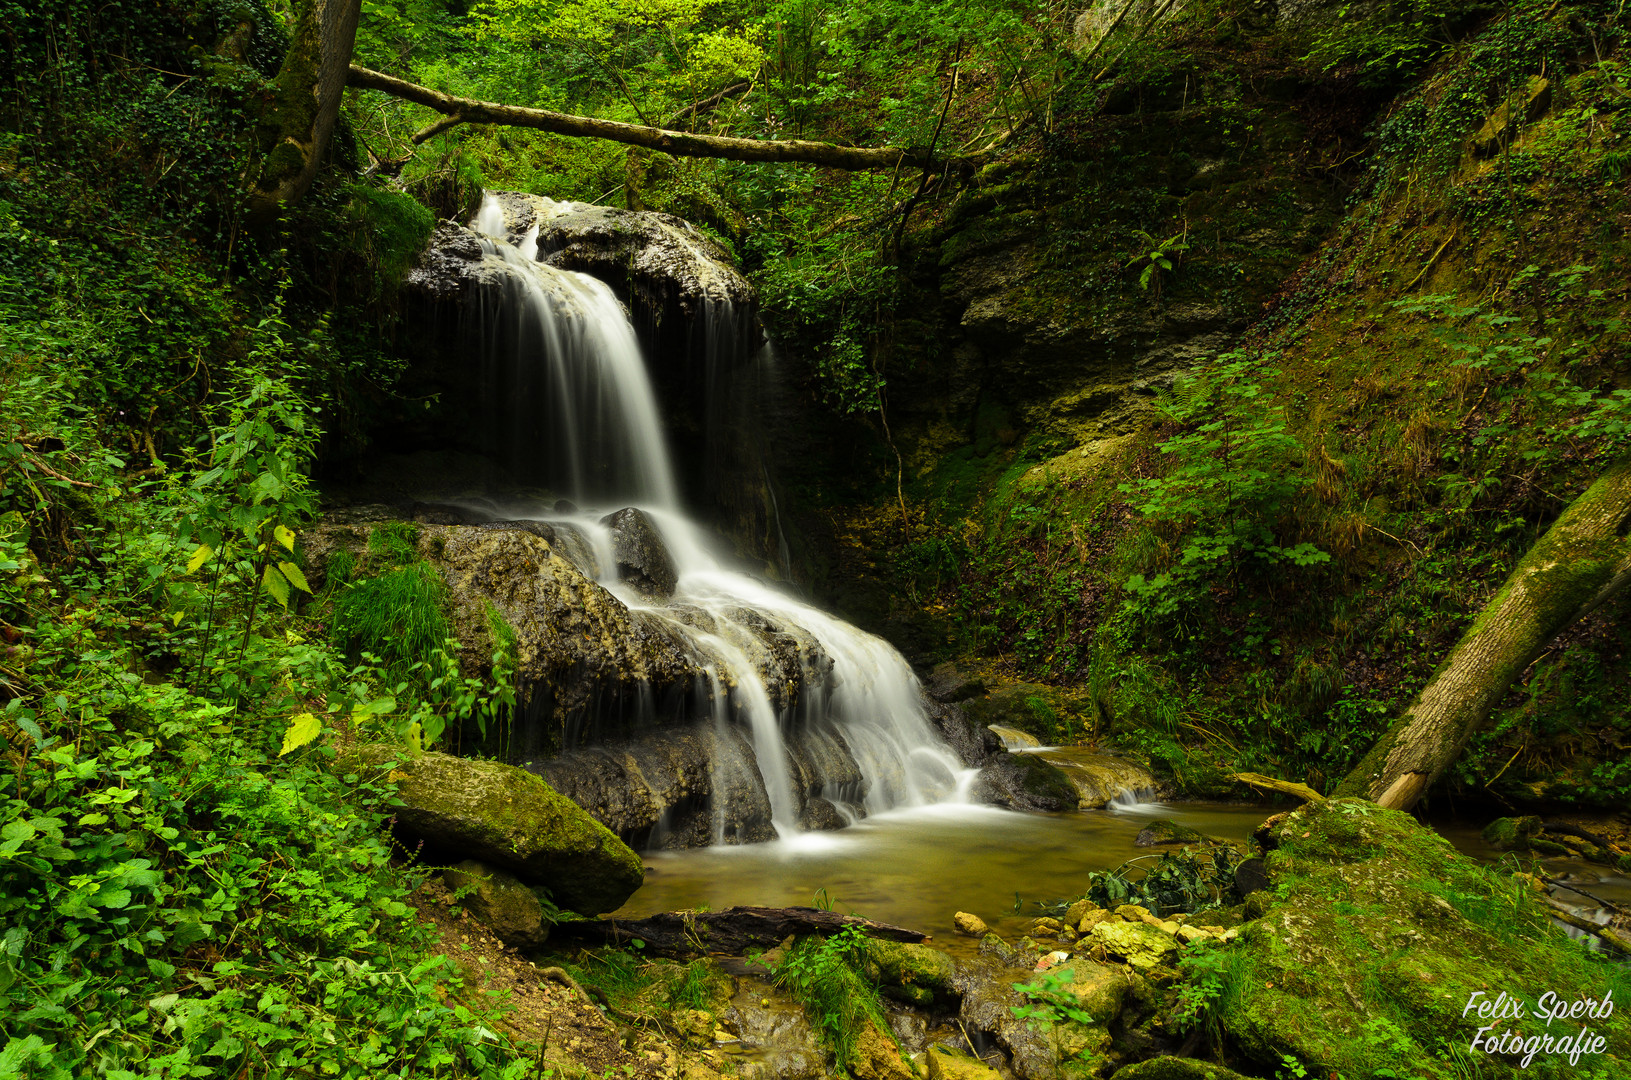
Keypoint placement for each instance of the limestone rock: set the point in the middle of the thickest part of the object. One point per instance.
(970, 924)
(1162, 832)
(1139, 944)
(942, 1064)
(501, 901)
(642, 558)
(507, 817)
(451, 265)
(878, 1058)
(898, 963)
(1076, 912)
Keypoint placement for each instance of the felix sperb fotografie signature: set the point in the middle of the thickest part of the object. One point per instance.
(1551, 1007)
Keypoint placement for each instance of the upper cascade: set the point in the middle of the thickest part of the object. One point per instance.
(793, 718)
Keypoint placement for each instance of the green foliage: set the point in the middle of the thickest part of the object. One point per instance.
(1211, 980)
(1185, 880)
(396, 616)
(1157, 259)
(823, 975)
(1226, 499)
(1050, 1000)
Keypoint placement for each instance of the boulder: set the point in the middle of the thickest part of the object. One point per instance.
(877, 1057)
(506, 817)
(451, 265)
(969, 924)
(501, 901)
(1379, 924)
(900, 963)
(1024, 782)
(943, 1064)
(1512, 833)
(642, 559)
(1162, 832)
(1138, 943)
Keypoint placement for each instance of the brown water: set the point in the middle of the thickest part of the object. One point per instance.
(918, 867)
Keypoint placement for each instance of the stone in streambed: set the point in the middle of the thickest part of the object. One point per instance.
(1138, 943)
(1176, 1068)
(942, 1064)
(970, 924)
(501, 901)
(1163, 832)
(1512, 833)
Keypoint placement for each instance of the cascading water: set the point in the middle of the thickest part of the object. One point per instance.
(575, 412)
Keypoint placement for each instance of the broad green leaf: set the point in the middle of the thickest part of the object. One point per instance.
(199, 558)
(295, 576)
(284, 535)
(302, 730)
(111, 898)
(277, 585)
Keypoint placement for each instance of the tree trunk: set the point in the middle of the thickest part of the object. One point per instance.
(680, 143)
(306, 102)
(1582, 561)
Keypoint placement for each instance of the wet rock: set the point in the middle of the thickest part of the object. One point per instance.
(1076, 912)
(1098, 778)
(1512, 834)
(942, 1064)
(989, 999)
(451, 265)
(973, 744)
(1163, 832)
(878, 1058)
(505, 817)
(1138, 943)
(642, 559)
(779, 1034)
(969, 924)
(1024, 782)
(500, 900)
(1176, 1068)
(650, 256)
(819, 814)
(1013, 738)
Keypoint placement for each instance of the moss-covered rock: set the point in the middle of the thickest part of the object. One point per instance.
(1138, 943)
(500, 900)
(901, 964)
(1176, 1068)
(507, 817)
(1511, 834)
(1161, 832)
(1381, 937)
(942, 1064)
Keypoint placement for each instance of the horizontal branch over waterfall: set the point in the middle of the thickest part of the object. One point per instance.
(457, 110)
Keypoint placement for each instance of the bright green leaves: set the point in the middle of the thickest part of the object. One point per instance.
(1226, 500)
(302, 730)
(1049, 999)
(199, 557)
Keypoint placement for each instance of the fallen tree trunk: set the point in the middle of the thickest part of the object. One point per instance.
(459, 110)
(1583, 560)
(731, 932)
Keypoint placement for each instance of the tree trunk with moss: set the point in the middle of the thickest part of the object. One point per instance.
(306, 102)
(1582, 561)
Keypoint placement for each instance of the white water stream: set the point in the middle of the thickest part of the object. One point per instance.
(581, 397)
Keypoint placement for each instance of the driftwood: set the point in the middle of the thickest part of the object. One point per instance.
(457, 110)
(1613, 938)
(731, 932)
(1284, 787)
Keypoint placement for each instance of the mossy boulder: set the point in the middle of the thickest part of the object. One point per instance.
(1511, 834)
(942, 1064)
(1162, 832)
(1025, 782)
(1138, 943)
(1380, 937)
(500, 900)
(904, 965)
(1176, 1068)
(506, 817)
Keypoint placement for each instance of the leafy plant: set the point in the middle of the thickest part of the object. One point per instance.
(1051, 1001)
(822, 975)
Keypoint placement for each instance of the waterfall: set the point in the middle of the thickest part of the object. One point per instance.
(573, 409)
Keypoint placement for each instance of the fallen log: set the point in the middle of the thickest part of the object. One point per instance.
(731, 932)
(1283, 787)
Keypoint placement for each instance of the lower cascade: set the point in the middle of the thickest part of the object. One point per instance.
(784, 718)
